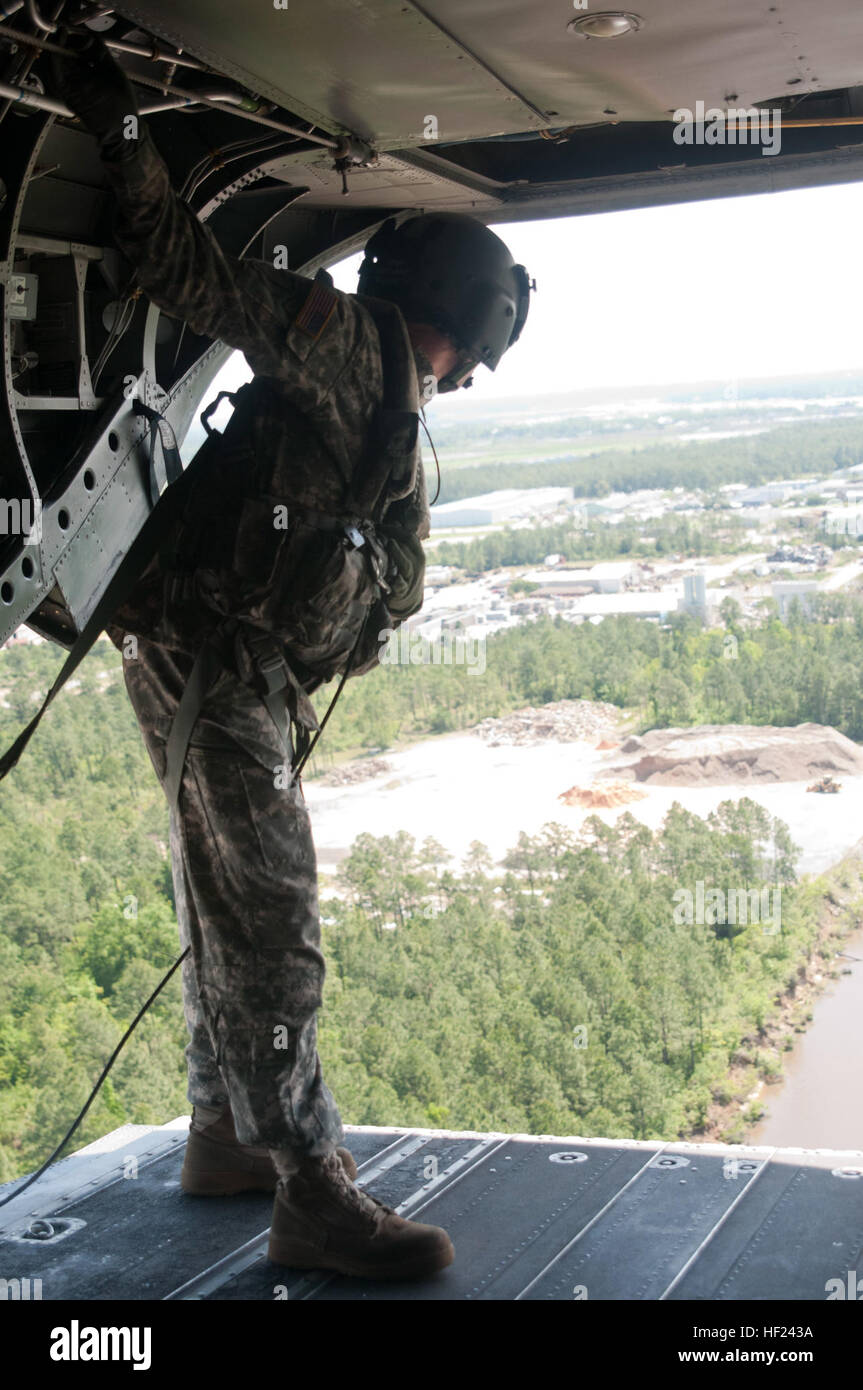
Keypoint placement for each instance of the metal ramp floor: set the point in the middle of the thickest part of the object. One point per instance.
(531, 1218)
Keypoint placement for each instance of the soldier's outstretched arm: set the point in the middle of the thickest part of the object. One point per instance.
(183, 269)
(179, 263)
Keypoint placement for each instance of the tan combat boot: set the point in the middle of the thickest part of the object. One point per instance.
(216, 1164)
(322, 1221)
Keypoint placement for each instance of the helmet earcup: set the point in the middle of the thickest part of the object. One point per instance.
(450, 271)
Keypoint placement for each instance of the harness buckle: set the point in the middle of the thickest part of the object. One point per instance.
(270, 665)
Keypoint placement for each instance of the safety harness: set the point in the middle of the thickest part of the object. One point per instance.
(382, 570)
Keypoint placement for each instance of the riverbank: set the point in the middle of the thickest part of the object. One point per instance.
(758, 1066)
(460, 788)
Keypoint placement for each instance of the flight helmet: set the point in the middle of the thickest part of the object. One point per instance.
(448, 270)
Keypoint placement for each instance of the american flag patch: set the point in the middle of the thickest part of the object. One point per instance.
(315, 313)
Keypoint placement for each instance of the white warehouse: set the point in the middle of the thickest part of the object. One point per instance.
(495, 508)
(610, 576)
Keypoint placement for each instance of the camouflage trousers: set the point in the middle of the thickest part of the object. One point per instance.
(245, 885)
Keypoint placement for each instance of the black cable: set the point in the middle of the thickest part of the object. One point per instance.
(323, 724)
(434, 451)
(95, 1091)
(178, 962)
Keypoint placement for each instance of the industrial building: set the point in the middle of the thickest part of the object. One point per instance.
(694, 599)
(787, 591)
(498, 508)
(609, 577)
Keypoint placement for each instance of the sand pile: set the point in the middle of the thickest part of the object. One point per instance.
(361, 771)
(715, 754)
(602, 795)
(564, 720)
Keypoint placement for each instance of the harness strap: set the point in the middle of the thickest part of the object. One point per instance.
(170, 452)
(274, 675)
(276, 684)
(209, 663)
(389, 469)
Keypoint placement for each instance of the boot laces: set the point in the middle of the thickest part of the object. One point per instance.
(360, 1200)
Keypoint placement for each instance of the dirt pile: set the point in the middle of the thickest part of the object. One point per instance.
(602, 795)
(567, 721)
(715, 754)
(361, 771)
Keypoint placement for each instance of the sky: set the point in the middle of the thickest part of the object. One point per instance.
(719, 290)
(739, 287)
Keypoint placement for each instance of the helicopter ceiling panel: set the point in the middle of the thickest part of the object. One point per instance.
(392, 71)
(376, 70)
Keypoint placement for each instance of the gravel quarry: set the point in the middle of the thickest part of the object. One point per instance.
(459, 788)
(736, 754)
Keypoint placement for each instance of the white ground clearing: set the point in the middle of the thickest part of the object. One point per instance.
(458, 789)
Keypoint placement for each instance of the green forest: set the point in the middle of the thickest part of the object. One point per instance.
(563, 935)
(713, 534)
(791, 451)
(768, 673)
(558, 995)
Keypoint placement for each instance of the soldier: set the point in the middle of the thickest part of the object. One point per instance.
(237, 620)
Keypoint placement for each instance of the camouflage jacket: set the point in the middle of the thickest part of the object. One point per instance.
(325, 382)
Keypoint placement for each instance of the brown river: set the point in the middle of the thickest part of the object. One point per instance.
(819, 1103)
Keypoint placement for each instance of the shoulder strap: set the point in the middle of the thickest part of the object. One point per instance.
(173, 464)
(389, 469)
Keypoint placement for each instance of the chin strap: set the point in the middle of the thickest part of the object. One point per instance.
(450, 382)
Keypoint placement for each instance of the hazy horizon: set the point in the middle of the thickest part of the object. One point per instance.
(684, 309)
(720, 290)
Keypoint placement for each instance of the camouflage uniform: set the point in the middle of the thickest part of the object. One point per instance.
(242, 852)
